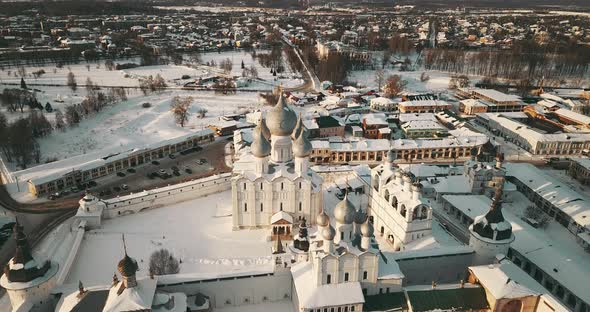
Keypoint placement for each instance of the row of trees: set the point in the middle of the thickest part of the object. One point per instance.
(511, 64)
(18, 140)
(152, 84)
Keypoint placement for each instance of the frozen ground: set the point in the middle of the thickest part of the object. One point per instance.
(438, 82)
(198, 232)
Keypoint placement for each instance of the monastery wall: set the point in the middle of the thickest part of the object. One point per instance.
(168, 195)
(239, 290)
(446, 268)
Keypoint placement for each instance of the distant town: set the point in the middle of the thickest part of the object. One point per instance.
(294, 156)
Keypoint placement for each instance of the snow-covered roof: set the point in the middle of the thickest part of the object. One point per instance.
(471, 205)
(49, 172)
(577, 117)
(135, 298)
(500, 281)
(563, 197)
(433, 103)
(311, 296)
(281, 215)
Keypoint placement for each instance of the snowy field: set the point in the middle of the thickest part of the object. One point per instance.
(438, 82)
(198, 232)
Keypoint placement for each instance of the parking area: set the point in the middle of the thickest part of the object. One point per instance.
(180, 167)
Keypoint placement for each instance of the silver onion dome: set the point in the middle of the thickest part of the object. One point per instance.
(322, 219)
(260, 146)
(302, 147)
(367, 229)
(345, 211)
(281, 120)
(329, 233)
(298, 128)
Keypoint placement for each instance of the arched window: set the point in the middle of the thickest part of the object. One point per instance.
(402, 210)
(387, 195)
(394, 202)
(423, 212)
(328, 279)
(282, 186)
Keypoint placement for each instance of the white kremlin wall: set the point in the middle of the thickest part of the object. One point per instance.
(167, 195)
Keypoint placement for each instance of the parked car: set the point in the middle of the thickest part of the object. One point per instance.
(174, 168)
(92, 183)
(52, 197)
(162, 172)
(176, 173)
(188, 170)
(120, 174)
(131, 170)
(65, 193)
(124, 187)
(74, 189)
(172, 156)
(155, 162)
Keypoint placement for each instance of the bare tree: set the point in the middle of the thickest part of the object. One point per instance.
(72, 82)
(162, 262)
(379, 78)
(394, 86)
(180, 108)
(72, 115)
(59, 120)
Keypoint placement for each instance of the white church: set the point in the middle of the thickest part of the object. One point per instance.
(274, 184)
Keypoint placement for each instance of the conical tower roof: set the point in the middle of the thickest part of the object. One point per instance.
(492, 225)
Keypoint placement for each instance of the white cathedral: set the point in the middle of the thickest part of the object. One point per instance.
(274, 184)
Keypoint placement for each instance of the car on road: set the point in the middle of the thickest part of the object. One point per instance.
(203, 160)
(74, 189)
(54, 196)
(92, 183)
(131, 170)
(65, 193)
(172, 156)
(124, 187)
(162, 172)
(340, 195)
(176, 173)
(155, 162)
(188, 170)
(120, 174)
(174, 168)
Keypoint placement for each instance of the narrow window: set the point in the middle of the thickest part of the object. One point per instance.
(244, 186)
(328, 279)
(300, 205)
(281, 205)
(261, 207)
(346, 277)
(282, 186)
(365, 274)
(245, 207)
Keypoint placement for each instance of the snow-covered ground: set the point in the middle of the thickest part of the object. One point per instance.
(198, 232)
(438, 82)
